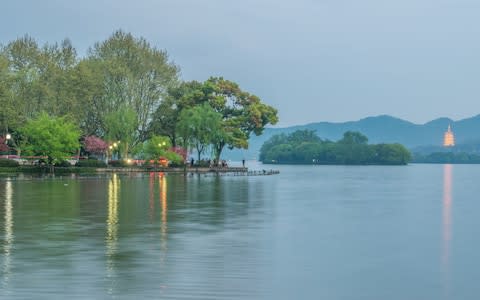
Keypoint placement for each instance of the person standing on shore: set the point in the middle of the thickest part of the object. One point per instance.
(243, 163)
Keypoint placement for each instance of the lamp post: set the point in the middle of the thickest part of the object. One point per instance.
(8, 136)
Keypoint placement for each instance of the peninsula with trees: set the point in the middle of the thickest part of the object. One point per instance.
(305, 147)
(124, 100)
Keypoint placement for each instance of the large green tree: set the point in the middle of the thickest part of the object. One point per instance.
(200, 127)
(53, 137)
(121, 127)
(242, 113)
(40, 77)
(134, 74)
(179, 97)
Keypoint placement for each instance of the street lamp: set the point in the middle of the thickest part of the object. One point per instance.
(8, 136)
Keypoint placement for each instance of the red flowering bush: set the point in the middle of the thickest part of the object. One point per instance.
(3, 144)
(95, 144)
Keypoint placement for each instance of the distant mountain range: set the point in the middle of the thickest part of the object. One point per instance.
(426, 137)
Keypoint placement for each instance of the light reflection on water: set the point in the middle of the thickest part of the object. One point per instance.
(8, 239)
(164, 225)
(447, 212)
(112, 231)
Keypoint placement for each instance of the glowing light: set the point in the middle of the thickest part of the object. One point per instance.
(448, 138)
(8, 136)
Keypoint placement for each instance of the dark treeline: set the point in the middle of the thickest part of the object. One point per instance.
(447, 158)
(305, 147)
(125, 92)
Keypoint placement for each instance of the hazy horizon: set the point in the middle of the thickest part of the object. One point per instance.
(315, 61)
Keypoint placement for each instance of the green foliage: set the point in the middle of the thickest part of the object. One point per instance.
(199, 127)
(124, 90)
(119, 163)
(8, 163)
(174, 158)
(183, 96)
(63, 163)
(353, 137)
(53, 137)
(134, 74)
(120, 126)
(91, 163)
(156, 147)
(303, 147)
(241, 113)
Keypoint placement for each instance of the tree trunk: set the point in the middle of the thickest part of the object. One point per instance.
(218, 151)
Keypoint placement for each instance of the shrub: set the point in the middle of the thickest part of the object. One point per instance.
(91, 163)
(118, 163)
(176, 164)
(4, 162)
(63, 164)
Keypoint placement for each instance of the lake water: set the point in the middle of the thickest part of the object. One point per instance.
(311, 232)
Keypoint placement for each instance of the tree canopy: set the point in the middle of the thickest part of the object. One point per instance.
(241, 112)
(125, 90)
(304, 147)
(53, 137)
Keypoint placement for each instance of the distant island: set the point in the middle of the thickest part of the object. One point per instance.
(418, 138)
(305, 147)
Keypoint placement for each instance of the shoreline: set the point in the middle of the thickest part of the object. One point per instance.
(237, 171)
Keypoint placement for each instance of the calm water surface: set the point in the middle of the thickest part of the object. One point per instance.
(311, 232)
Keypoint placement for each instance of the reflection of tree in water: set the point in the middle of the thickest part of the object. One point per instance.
(208, 201)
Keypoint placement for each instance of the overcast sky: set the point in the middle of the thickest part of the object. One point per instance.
(314, 60)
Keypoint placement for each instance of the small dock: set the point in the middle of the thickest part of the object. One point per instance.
(239, 173)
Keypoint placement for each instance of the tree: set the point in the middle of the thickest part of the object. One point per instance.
(200, 127)
(392, 154)
(156, 147)
(353, 137)
(242, 113)
(21, 63)
(40, 77)
(351, 150)
(120, 125)
(9, 116)
(134, 74)
(95, 145)
(183, 96)
(53, 137)
(3, 145)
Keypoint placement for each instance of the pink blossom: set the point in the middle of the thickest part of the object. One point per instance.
(3, 145)
(95, 144)
(180, 151)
